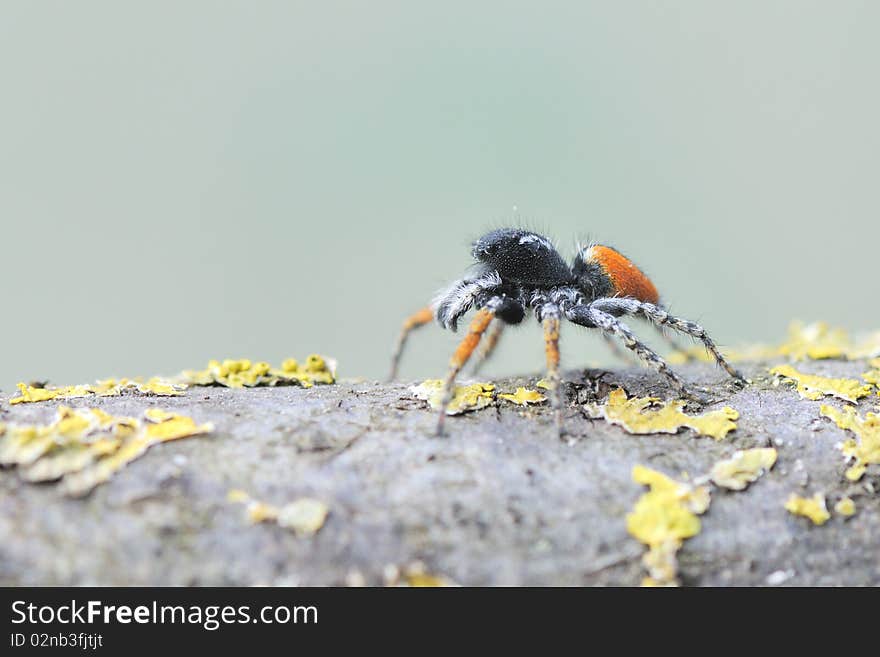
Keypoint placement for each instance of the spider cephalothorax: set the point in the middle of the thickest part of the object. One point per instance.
(517, 271)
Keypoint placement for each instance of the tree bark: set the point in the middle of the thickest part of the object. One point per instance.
(500, 501)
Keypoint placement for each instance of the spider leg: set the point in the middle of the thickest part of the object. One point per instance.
(456, 300)
(587, 315)
(662, 318)
(622, 355)
(488, 346)
(671, 342)
(414, 321)
(627, 357)
(466, 347)
(550, 322)
(614, 349)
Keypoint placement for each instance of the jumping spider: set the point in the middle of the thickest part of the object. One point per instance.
(518, 270)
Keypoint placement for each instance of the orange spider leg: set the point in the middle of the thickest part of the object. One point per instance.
(414, 321)
(466, 347)
(488, 345)
(551, 349)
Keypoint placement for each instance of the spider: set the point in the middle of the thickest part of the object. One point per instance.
(518, 270)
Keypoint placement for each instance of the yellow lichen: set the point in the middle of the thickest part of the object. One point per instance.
(865, 450)
(160, 387)
(85, 447)
(244, 373)
(661, 561)
(662, 519)
(845, 507)
(873, 376)
(255, 510)
(23, 445)
(465, 398)
(105, 388)
(237, 495)
(158, 415)
(173, 428)
(26, 444)
(812, 508)
(744, 467)
(261, 512)
(305, 516)
(71, 457)
(819, 341)
(813, 387)
(151, 433)
(815, 341)
(868, 347)
(423, 580)
(524, 397)
(634, 416)
(415, 575)
(30, 394)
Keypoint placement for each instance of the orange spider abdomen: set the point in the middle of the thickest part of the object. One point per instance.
(627, 279)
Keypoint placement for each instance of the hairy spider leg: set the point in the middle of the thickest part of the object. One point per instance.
(414, 321)
(466, 347)
(488, 345)
(616, 350)
(627, 357)
(671, 342)
(587, 315)
(662, 318)
(551, 350)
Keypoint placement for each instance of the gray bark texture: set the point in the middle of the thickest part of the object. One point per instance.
(500, 501)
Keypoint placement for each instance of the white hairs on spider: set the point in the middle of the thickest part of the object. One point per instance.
(530, 238)
(457, 299)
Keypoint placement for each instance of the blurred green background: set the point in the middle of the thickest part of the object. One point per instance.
(182, 181)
